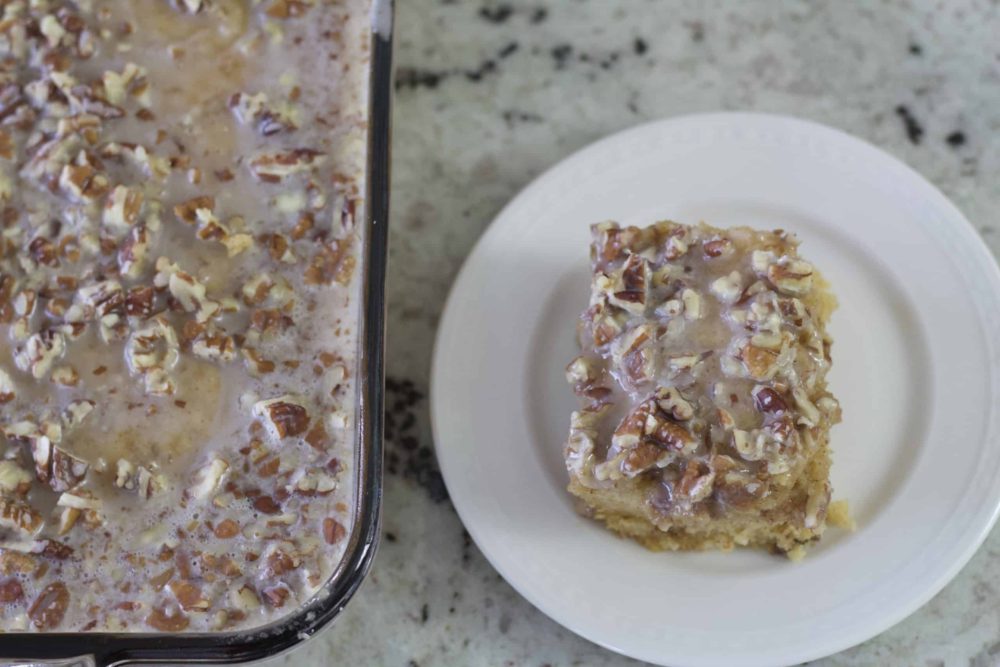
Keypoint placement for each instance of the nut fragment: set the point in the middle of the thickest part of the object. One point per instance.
(696, 483)
(718, 247)
(333, 530)
(810, 413)
(132, 251)
(768, 400)
(760, 362)
(728, 288)
(255, 110)
(628, 288)
(14, 480)
(11, 591)
(226, 529)
(188, 211)
(192, 295)
(67, 470)
(669, 400)
(791, 276)
(7, 388)
(168, 618)
(286, 415)
(188, 595)
(76, 412)
(79, 501)
(151, 352)
(49, 608)
(692, 304)
(276, 595)
(273, 167)
(750, 447)
(121, 210)
(19, 516)
(39, 352)
(142, 480)
(214, 346)
(208, 478)
(66, 376)
(315, 481)
(244, 599)
(67, 519)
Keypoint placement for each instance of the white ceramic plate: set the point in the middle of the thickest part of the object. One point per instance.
(916, 369)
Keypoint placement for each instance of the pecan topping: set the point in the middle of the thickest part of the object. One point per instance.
(49, 608)
(286, 416)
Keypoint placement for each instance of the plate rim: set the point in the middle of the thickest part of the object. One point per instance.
(784, 122)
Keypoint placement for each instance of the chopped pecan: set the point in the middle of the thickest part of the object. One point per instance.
(266, 505)
(139, 301)
(49, 608)
(315, 481)
(208, 478)
(326, 265)
(214, 345)
(255, 291)
(791, 276)
(226, 529)
(188, 211)
(121, 210)
(132, 251)
(274, 166)
(697, 481)
(19, 516)
(83, 182)
(759, 361)
(39, 352)
(333, 530)
(11, 591)
(276, 595)
(151, 352)
(188, 595)
(768, 400)
(7, 388)
(67, 470)
(14, 480)
(66, 376)
(255, 110)
(286, 415)
(168, 618)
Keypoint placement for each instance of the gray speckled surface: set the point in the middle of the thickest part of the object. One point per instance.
(488, 96)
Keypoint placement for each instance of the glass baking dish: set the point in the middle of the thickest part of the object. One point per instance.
(103, 649)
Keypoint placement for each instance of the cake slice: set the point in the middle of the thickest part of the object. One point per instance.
(705, 416)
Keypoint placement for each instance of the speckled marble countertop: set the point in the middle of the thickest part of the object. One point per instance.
(487, 97)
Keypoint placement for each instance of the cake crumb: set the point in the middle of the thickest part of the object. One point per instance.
(839, 515)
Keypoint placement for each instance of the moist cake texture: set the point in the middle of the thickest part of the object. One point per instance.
(181, 190)
(705, 417)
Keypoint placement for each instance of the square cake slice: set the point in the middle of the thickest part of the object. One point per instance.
(705, 416)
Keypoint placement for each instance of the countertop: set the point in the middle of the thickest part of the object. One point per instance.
(490, 94)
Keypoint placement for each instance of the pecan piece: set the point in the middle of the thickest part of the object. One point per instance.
(188, 595)
(188, 211)
(139, 301)
(276, 595)
(39, 352)
(333, 530)
(768, 400)
(121, 210)
(168, 619)
(19, 516)
(273, 167)
(49, 608)
(11, 591)
(14, 480)
(286, 416)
